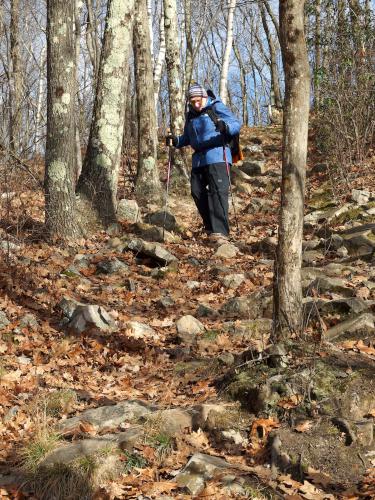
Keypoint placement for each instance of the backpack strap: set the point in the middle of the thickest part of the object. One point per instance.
(211, 113)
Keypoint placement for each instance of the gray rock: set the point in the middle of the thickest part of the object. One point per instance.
(353, 305)
(226, 358)
(238, 175)
(130, 285)
(29, 321)
(359, 240)
(312, 256)
(140, 330)
(205, 311)
(161, 218)
(311, 244)
(155, 233)
(166, 301)
(254, 167)
(255, 330)
(112, 266)
(254, 148)
(126, 412)
(252, 306)
(333, 242)
(114, 229)
(7, 246)
(128, 210)
(233, 281)
(153, 250)
(172, 421)
(192, 285)
(361, 196)
(363, 321)
(319, 216)
(325, 284)
(91, 316)
(188, 328)
(68, 305)
(4, 321)
(318, 168)
(342, 252)
(260, 205)
(226, 251)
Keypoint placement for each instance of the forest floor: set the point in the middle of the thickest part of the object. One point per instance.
(146, 405)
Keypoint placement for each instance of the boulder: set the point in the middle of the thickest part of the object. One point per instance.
(112, 266)
(128, 210)
(226, 251)
(253, 167)
(188, 328)
(361, 197)
(153, 250)
(162, 218)
(252, 306)
(260, 205)
(140, 330)
(233, 281)
(319, 216)
(361, 322)
(205, 311)
(325, 284)
(359, 240)
(90, 316)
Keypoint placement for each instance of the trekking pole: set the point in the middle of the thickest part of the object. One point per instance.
(168, 179)
(230, 188)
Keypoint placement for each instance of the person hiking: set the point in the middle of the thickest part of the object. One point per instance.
(209, 127)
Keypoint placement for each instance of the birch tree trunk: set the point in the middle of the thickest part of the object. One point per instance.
(99, 178)
(148, 187)
(288, 313)
(223, 88)
(176, 110)
(38, 114)
(60, 201)
(15, 79)
(189, 46)
(158, 68)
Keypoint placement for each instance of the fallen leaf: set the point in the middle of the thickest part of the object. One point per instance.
(363, 292)
(303, 426)
(291, 402)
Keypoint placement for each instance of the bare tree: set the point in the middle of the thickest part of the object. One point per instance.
(99, 178)
(148, 187)
(287, 285)
(223, 89)
(60, 203)
(15, 78)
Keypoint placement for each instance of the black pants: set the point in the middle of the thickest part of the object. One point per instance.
(210, 189)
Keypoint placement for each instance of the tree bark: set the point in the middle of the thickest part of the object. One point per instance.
(60, 201)
(275, 87)
(245, 114)
(148, 187)
(176, 110)
(318, 52)
(189, 46)
(99, 178)
(158, 68)
(223, 88)
(288, 313)
(15, 80)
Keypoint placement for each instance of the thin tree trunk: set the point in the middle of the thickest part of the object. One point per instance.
(245, 114)
(223, 88)
(318, 52)
(174, 82)
(189, 46)
(38, 114)
(275, 87)
(158, 68)
(99, 178)
(77, 33)
(288, 313)
(16, 79)
(60, 201)
(273, 17)
(148, 187)
(92, 41)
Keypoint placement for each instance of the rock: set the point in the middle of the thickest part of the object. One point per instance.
(361, 196)
(166, 301)
(4, 322)
(88, 316)
(29, 321)
(153, 250)
(312, 256)
(255, 149)
(155, 233)
(172, 421)
(114, 229)
(353, 305)
(68, 305)
(311, 244)
(318, 168)
(364, 321)
(128, 210)
(219, 270)
(254, 167)
(116, 243)
(7, 246)
(342, 252)
(130, 285)
(226, 251)
(319, 216)
(205, 311)
(233, 281)
(198, 470)
(267, 245)
(238, 175)
(242, 187)
(161, 218)
(226, 358)
(325, 284)
(140, 330)
(253, 330)
(126, 412)
(112, 266)
(192, 285)
(260, 205)
(252, 306)
(359, 240)
(333, 242)
(188, 328)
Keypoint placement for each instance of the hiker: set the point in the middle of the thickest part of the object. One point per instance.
(208, 127)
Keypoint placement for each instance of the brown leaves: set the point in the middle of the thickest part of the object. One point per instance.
(358, 346)
(303, 426)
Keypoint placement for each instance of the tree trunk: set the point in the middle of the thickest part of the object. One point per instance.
(148, 187)
(318, 52)
(245, 114)
(223, 88)
(77, 34)
(159, 61)
(16, 79)
(99, 178)
(176, 110)
(288, 313)
(92, 41)
(275, 87)
(60, 202)
(273, 18)
(189, 46)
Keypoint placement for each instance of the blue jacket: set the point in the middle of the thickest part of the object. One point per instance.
(201, 135)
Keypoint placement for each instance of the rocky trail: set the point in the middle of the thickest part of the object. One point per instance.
(134, 366)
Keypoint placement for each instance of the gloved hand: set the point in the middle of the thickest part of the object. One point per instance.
(171, 140)
(221, 127)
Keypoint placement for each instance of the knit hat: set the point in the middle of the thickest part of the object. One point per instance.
(196, 90)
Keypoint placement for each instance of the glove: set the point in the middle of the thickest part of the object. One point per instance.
(222, 127)
(171, 140)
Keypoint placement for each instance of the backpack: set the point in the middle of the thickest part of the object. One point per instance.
(234, 142)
